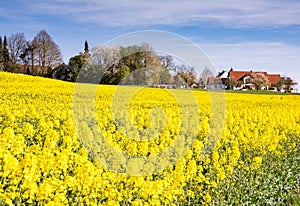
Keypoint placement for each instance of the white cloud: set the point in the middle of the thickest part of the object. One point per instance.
(233, 13)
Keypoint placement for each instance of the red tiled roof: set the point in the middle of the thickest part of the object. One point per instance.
(273, 78)
(214, 80)
(211, 80)
(238, 75)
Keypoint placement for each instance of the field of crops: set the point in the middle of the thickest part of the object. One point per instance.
(106, 145)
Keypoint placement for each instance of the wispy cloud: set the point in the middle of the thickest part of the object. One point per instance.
(231, 13)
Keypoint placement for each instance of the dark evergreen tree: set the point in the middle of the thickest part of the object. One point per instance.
(5, 54)
(77, 62)
(1, 55)
(86, 47)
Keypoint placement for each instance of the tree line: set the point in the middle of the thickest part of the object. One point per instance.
(35, 57)
(130, 65)
(133, 64)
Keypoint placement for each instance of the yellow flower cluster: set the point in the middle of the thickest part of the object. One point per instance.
(133, 146)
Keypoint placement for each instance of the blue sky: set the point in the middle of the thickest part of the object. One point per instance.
(261, 35)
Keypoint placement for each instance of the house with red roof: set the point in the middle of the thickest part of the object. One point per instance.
(254, 80)
(218, 82)
(244, 80)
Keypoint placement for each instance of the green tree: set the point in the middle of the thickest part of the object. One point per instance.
(136, 57)
(123, 73)
(141, 62)
(90, 73)
(77, 62)
(230, 83)
(148, 76)
(118, 77)
(165, 76)
(132, 57)
(286, 83)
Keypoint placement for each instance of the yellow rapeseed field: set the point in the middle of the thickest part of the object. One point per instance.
(144, 146)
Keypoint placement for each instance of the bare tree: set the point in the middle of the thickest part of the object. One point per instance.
(205, 75)
(48, 52)
(167, 62)
(16, 42)
(183, 68)
(105, 57)
(32, 50)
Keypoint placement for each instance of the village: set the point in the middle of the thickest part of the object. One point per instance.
(240, 81)
(251, 80)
